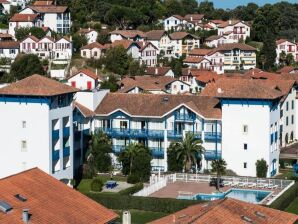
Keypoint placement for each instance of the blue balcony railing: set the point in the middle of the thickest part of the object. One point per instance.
(212, 136)
(212, 154)
(66, 132)
(184, 117)
(118, 148)
(273, 173)
(55, 155)
(156, 133)
(157, 168)
(157, 152)
(66, 151)
(197, 134)
(137, 133)
(174, 134)
(55, 134)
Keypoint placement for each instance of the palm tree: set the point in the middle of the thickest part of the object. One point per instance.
(130, 153)
(188, 150)
(219, 167)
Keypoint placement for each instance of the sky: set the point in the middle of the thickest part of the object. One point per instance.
(234, 3)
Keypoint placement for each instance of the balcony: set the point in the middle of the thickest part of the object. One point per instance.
(156, 134)
(118, 148)
(86, 131)
(184, 117)
(273, 173)
(66, 132)
(66, 151)
(212, 136)
(157, 152)
(137, 133)
(212, 154)
(157, 168)
(55, 155)
(174, 134)
(55, 134)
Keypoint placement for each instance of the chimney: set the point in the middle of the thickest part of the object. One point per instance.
(156, 71)
(70, 38)
(230, 22)
(191, 18)
(126, 218)
(30, 34)
(28, 18)
(89, 29)
(25, 216)
(96, 71)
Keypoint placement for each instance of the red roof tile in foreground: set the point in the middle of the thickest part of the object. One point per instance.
(23, 17)
(49, 201)
(158, 105)
(248, 88)
(228, 211)
(37, 85)
(287, 69)
(84, 110)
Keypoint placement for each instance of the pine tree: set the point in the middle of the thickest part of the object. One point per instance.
(269, 51)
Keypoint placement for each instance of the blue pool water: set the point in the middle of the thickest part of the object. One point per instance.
(252, 196)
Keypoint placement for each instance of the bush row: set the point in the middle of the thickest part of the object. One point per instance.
(286, 198)
(131, 190)
(123, 202)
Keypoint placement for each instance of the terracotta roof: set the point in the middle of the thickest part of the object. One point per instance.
(214, 37)
(84, 110)
(287, 69)
(4, 2)
(157, 70)
(178, 17)
(9, 44)
(181, 35)
(280, 41)
(49, 201)
(244, 47)
(37, 85)
(155, 34)
(124, 43)
(5, 35)
(84, 31)
(144, 45)
(231, 23)
(158, 105)
(194, 59)
(49, 38)
(87, 72)
(247, 89)
(200, 52)
(205, 77)
(42, 3)
(228, 211)
(49, 9)
(129, 33)
(194, 17)
(217, 21)
(23, 17)
(32, 38)
(93, 45)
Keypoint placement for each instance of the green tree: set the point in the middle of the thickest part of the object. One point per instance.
(174, 165)
(78, 42)
(282, 58)
(110, 83)
(98, 157)
(117, 60)
(188, 151)
(289, 59)
(22, 32)
(261, 168)
(135, 68)
(219, 167)
(26, 65)
(269, 51)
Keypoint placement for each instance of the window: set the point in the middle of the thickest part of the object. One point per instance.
(287, 106)
(245, 165)
(287, 121)
(1, 51)
(245, 146)
(245, 129)
(292, 119)
(292, 104)
(23, 146)
(12, 51)
(23, 124)
(181, 87)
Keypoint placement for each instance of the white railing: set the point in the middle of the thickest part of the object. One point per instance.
(280, 193)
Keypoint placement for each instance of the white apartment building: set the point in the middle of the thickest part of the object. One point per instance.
(39, 111)
(57, 18)
(47, 47)
(90, 34)
(239, 30)
(23, 20)
(288, 47)
(9, 49)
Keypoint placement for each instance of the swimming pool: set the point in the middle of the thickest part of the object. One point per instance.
(252, 196)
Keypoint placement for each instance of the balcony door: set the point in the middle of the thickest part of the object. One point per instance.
(123, 125)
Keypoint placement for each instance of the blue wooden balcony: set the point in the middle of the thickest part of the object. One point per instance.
(157, 152)
(66, 132)
(212, 154)
(212, 136)
(139, 133)
(273, 173)
(175, 134)
(55, 155)
(55, 134)
(159, 134)
(197, 134)
(66, 151)
(118, 148)
(184, 117)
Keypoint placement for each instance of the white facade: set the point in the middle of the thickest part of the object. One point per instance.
(240, 30)
(91, 53)
(171, 23)
(183, 46)
(217, 42)
(83, 81)
(238, 59)
(247, 127)
(16, 25)
(287, 47)
(217, 61)
(149, 55)
(9, 51)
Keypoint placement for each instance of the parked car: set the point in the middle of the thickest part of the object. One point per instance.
(213, 182)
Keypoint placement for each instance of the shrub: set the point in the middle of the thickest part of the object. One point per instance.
(96, 185)
(133, 178)
(262, 168)
(132, 190)
(125, 202)
(286, 198)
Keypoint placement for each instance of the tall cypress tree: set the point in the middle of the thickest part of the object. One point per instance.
(268, 51)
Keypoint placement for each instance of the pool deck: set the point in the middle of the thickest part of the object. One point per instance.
(172, 189)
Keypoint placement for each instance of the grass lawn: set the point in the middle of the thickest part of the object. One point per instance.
(293, 207)
(140, 217)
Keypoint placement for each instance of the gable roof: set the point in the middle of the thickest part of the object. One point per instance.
(230, 211)
(194, 17)
(23, 17)
(92, 46)
(35, 39)
(37, 85)
(280, 41)
(157, 70)
(124, 43)
(85, 31)
(49, 201)
(49, 9)
(287, 69)
(43, 3)
(129, 33)
(9, 45)
(231, 23)
(177, 17)
(181, 35)
(244, 47)
(200, 51)
(144, 45)
(158, 105)
(214, 37)
(194, 59)
(84, 110)
(155, 34)
(87, 72)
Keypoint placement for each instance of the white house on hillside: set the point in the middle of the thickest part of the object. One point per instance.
(84, 80)
(288, 47)
(94, 50)
(24, 20)
(9, 49)
(234, 30)
(90, 34)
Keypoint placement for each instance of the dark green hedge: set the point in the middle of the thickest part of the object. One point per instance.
(286, 198)
(123, 202)
(131, 190)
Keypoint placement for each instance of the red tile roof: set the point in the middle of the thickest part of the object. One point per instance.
(92, 46)
(49, 9)
(23, 17)
(214, 37)
(129, 33)
(84, 31)
(4, 2)
(231, 23)
(193, 17)
(181, 35)
(200, 52)
(280, 41)
(37, 85)
(194, 59)
(228, 211)
(42, 3)
(178, 17)
(157, 70)
(155, 34)
(158, 105)
(124, 43)
(287, 69)
(9, 44)
(227, 47)
(84, 110)
(49, 201)
(87, 72)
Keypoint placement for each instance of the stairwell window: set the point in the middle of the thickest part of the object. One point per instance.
(245, 146)
(24, 124)
(245, 165)
(23, 145)
(245, 129)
